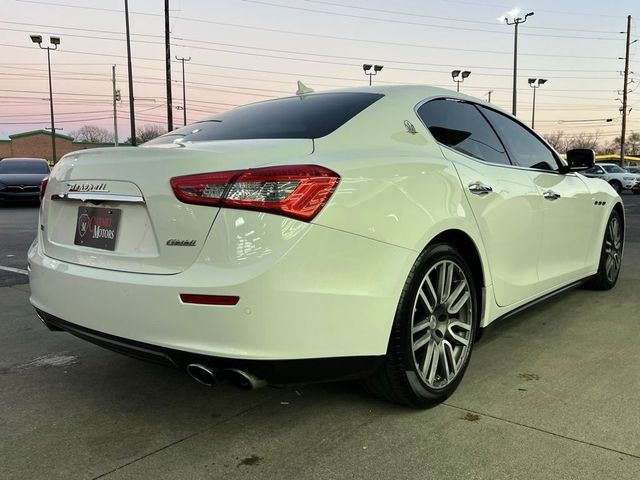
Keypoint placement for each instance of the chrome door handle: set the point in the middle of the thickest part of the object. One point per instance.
(551, 195)
(480, 188)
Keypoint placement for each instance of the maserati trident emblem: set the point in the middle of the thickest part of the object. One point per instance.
(83, 224)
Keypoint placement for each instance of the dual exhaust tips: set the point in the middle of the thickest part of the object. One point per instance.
(239, 378)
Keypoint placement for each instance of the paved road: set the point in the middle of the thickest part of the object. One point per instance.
(17, 231)
(552, 394)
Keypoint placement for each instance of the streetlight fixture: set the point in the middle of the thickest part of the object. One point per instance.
(371, 70)
(459, 76)
(54, 41)
(516, 21)
(535, 84)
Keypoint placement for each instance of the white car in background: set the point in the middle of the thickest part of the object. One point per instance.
(619, 178)
(366, 233)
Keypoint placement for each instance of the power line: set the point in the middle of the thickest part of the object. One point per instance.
(406, 22)
(332, 37)
(477, 22)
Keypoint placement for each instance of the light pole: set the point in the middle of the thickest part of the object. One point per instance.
(516, 21)
(184, 90)
(367, 67)
(132, 108)
(459, 77)
(535, 84)
(55, 41)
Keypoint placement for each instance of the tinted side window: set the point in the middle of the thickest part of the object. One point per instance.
(460, 126)
(308, 116)
(527, 150)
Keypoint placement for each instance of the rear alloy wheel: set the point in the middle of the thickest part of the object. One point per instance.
(617, 186)
(433, 331)
(610, 254)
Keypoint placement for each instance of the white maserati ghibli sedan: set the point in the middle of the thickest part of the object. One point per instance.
(366, 233)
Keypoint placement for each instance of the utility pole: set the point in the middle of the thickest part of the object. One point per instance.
(168, 66)
(132, 112)
(516, 21)
(116, 94)
(624, 91)
(490, 92)
(184, 89)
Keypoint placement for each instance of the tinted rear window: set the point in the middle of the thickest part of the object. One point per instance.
(310, 116)
(23, 166)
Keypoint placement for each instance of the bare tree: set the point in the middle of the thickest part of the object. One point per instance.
(557, 140)
(92, 133)
(146, 133)
(584, 140)
(633, 144)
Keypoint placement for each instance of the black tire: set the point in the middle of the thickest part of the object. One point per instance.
(611, 250)
(617, 186)
(399, 379)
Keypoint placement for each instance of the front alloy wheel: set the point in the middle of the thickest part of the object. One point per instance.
(610, 254)
(433, 331)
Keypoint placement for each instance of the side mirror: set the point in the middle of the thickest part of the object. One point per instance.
(580, 159)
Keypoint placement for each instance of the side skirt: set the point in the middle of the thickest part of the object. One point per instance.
(543, 299)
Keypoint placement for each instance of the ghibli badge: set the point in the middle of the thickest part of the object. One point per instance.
(174, 242)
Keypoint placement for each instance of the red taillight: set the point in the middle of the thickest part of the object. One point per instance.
(297, 191)
(43, 187)
(227, 300)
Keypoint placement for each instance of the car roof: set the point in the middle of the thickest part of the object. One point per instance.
(411, 94)
(22, 159)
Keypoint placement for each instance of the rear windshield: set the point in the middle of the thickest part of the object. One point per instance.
(308, 116)
(24, 166)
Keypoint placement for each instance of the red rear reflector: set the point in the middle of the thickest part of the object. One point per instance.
(297, 191)
(209, 299)
(43, 187)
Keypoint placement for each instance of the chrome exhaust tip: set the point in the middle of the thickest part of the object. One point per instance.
(202, 374)
(243, 380)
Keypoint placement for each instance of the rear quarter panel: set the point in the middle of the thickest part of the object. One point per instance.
(396, 187)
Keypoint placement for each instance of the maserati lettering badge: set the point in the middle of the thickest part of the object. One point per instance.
(174, 242)
(87, 187)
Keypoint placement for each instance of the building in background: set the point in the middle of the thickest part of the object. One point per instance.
(37, 144)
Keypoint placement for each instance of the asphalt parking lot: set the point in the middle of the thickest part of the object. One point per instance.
(551, 394)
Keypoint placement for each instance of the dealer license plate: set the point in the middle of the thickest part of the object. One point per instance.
(97, 227)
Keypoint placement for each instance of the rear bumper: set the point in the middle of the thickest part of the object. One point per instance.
(277, 372)
(321, 294)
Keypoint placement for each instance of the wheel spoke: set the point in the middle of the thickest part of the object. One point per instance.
(422, 341)
(428, 358)
(450, 359)
(444, 360)
(418, 327)
(457, 324)
(445, 279)
(425, 300)
(435, 357)
(455, 308)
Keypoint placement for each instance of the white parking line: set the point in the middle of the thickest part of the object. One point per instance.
(14, 270)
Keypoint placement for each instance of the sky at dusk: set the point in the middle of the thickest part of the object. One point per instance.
(244, 51)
